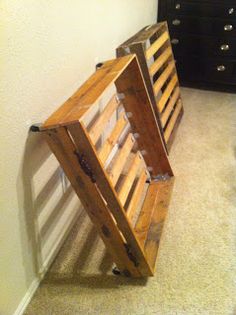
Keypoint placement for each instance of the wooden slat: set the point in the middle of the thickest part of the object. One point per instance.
(129, 178)
(159, 62)
(156, 45)
(137, 195)
(115, 171)
(172, 121)
(113, 138)
(145, 216)
(163, 77)
(166, 94)
(163, 195)
(63, 148)
(85, 146)
(165, 115)
(99, 125)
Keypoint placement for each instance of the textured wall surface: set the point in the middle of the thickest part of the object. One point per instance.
(48, 48)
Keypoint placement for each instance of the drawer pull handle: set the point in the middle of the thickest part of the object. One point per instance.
(231, 11)
(228, 27)
(221, 68)
(224, 47)
(178, 6)
(176, 22)
(175, 41)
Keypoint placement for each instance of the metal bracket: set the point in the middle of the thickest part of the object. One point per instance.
(85, 166)
(163, 177)
(131, 255)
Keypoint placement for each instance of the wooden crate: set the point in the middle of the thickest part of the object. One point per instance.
(123, 178)
(153, 49)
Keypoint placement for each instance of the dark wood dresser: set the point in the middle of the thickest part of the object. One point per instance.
(203, 36)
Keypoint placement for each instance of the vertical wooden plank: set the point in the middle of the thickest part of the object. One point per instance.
(138, 49)
(64, 150)
(85, 147)
(136, 101)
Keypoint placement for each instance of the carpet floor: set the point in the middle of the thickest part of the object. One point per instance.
(196, 266)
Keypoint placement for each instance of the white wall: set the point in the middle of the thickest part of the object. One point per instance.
(48, 48)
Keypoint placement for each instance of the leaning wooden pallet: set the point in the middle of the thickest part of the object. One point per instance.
(153, 49)
(96, 164)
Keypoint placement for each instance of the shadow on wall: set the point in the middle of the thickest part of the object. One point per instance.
(48, 206)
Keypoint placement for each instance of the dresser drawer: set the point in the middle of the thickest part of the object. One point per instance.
(201, 9)
(196, 69)
(202, 45)
(202, 26)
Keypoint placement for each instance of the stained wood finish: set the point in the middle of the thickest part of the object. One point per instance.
(110, 206)
(153, 49)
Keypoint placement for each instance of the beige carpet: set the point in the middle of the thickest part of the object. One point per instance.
(196, 267)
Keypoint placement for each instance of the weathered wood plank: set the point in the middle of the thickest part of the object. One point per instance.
(163, 77)
(166, 114)
(172, 121)
(99, 125)
(120, 160)
(159, 62)
(113, 138)
(166, 94)
(61, 145)
(129, 178)
(164, 190)
(88, 94)
(156, 45)
(103, 182)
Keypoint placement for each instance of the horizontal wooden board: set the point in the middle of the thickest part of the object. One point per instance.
(166, 94)
(113, 138)
(99, 125)
(166, 113)
(163, 77)
(137, 195)
(156, 45)
(115, 170)
(172, 121)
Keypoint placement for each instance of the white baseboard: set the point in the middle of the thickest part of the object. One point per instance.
(36, 282)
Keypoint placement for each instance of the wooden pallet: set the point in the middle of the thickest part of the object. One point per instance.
(153, 49)
(123, 178)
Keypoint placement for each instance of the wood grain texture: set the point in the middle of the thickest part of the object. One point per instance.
(167, 92)
(156, 45)
(61, 145)
(111, 141)
(149, 139)
(166, 113)
(129, 178)
(172, 121)
(100, 124)
(163, 195)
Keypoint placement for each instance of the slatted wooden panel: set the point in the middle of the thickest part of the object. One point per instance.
(116, 183)
(153, 49)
